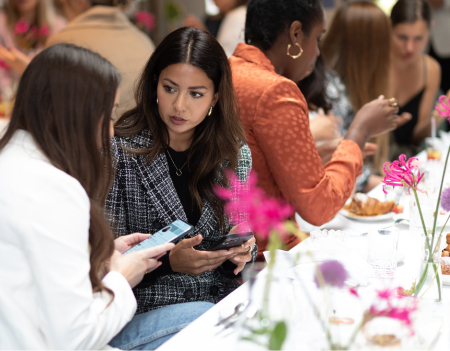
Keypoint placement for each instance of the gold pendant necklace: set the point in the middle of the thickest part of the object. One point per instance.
(178, 171)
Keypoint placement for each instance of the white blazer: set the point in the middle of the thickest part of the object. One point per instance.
(440, 32)
(46, 298)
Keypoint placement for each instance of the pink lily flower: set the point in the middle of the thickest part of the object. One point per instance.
(4, 65)
(444, 109)
(401, 173)
(388, 298)
(21, 26)
(263, 213)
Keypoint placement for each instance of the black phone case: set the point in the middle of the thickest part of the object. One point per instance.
(230, 240)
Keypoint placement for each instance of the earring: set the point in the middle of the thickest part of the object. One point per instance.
(157, 101)
(294, 56)
(210, 111)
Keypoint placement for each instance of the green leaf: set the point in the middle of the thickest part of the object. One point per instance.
(277, 337)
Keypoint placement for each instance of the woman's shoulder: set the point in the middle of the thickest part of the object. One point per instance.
(31, 175)
(141, 140)
(433, 70)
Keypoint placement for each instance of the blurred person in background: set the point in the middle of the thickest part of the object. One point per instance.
(228, 26)
(282, 45)
(25, 26)
(440, 34)
(415, 75)
(102, 27)
(357, 50)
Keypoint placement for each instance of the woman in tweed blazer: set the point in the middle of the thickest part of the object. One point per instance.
(150, 148)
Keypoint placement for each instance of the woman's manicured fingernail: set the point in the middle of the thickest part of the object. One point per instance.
(237, 258)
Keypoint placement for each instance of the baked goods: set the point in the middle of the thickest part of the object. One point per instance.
(364, 205)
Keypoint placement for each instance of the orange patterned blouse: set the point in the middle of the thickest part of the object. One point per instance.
(274, 115)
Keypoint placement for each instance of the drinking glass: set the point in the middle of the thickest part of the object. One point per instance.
(383, 253)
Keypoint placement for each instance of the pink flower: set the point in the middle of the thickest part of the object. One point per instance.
(444, 109)
(43, 31)
(353, 291)
(401, 173)
(4, 65)
(391, 307)
(264, 214)
(21, 26)
(145, 19)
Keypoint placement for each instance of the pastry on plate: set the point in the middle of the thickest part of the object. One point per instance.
(364, 205)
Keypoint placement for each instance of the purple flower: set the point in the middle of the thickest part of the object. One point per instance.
(445, 200)
(333, 273)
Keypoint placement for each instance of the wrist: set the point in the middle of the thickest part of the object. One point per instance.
(359, 134)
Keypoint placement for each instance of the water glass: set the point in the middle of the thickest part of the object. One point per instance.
(383, 253)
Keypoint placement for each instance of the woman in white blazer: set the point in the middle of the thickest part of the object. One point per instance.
(63, 281)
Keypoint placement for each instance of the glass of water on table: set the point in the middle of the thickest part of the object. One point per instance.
(382, 256)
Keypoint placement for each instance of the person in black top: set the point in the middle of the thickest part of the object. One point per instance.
(415, 75)
(171, 151)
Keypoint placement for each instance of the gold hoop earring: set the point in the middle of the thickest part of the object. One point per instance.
(294, 56)
(210, 111)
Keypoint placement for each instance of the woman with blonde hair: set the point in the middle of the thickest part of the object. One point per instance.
(357, 49)
(25, 26)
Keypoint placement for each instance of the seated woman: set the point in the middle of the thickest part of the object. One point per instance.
(415, 75)
(26, 25)
(274, 113)
(65, 284)
(101, 26)
(171, 151)
(355, 50)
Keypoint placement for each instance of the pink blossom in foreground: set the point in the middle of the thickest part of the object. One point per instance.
(145, 19)
(389, 306)
(353, 291)
(401, 173)
(21, 26)
(4, 65)
(264, 214)
(444, 109)
(43, 31)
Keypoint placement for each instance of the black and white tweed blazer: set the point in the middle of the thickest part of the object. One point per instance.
(143, 199)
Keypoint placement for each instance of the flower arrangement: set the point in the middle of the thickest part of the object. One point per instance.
(29, 35)
(388, 303)
(405, 174)
(266, 217)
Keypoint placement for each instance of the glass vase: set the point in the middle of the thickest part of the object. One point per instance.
(429, 281)
(269, 312)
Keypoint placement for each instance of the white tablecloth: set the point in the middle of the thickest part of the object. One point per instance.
(203, 335)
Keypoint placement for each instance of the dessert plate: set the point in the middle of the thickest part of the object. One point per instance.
(383, 217)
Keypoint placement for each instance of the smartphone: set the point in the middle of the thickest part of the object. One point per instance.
(172, 232)
(230, 240)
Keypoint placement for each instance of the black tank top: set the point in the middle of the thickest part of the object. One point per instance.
(404, 133)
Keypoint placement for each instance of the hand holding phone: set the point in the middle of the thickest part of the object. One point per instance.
(231, 240)
(175, 230)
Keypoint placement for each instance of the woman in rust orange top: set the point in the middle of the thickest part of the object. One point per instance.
(274, 112)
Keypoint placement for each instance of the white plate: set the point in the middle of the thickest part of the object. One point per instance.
(383, 217)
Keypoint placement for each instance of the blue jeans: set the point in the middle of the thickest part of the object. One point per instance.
(147, 331)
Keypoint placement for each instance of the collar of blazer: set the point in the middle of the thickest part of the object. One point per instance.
(159, 187)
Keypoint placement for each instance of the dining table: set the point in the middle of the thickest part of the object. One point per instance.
(303, 329)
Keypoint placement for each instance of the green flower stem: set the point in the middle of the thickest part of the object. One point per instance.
(273, 245)
(439, 197)
(421, 218)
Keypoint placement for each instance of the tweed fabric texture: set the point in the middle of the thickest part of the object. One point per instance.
(143, 199)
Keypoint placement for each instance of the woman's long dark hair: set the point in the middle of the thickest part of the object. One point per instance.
(410, 11)
(314, 87)
(63, 96)
(217, 139)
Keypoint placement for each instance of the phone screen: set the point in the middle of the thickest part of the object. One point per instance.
(165, 235)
